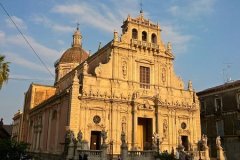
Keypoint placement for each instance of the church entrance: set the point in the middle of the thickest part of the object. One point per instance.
(185, 142)
(144, 133)
(95, 143)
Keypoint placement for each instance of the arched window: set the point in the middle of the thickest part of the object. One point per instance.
(154, 38)
(54, 114)
(134, 34)
(144, 36)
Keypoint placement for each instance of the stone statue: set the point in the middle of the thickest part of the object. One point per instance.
(218, 142)
(85, 67)
(165, 127)
(123, 138)
(79, 136)
(68, 137)
(190, 87)
(69, 140)
(1, 122)
(104, 136)
(204, 140)
(155, 138)
(169, 48)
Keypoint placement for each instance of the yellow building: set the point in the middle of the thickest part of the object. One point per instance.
(129, 86)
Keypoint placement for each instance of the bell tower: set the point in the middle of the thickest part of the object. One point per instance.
(142, 33)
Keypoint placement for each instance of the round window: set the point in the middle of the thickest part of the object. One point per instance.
(96, 119)
(183, 125)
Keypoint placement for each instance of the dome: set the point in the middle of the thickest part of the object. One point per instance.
(73, 55)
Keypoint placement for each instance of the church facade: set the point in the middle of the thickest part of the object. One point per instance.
(129, 86)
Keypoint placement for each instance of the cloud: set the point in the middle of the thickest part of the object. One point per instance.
(18, 21)
(179, 40)
(19, 60)
(89, 15)
(61, 42)
(51, 24)
(100, 15)
(44, 52)
(2, 37)
(193, 9)
(19, 54)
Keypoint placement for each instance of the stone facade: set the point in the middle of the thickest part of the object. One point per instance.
(17, 126)
(220, 116)
(129, 86)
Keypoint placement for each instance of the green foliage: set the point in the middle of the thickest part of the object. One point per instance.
(166, 156)
(4, 70)
(12, 150)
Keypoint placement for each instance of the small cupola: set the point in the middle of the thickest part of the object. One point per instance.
(77, 38)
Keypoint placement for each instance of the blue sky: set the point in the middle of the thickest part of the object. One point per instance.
(204, 35)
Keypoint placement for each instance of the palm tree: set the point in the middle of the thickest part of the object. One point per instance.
(4, 70)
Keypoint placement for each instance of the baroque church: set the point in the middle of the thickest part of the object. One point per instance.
(129, 85)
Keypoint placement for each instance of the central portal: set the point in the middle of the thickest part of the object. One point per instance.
(185, 142)
(144, 133)
(95, 140)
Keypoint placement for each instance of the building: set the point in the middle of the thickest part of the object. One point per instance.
(129, 86)
(17, 125)
(220, 116)
(5, 130)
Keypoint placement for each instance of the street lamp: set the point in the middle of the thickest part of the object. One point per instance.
(111, 148)
(158, 146)
(199, 150)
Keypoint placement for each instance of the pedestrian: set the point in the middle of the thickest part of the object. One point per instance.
(80, 157)
(85, 157)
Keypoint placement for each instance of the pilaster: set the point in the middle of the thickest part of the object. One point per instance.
(74, 108)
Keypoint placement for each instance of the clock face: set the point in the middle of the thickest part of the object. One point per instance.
(96, 119)
(183, 125)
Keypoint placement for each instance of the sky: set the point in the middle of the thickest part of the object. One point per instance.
(204, 36)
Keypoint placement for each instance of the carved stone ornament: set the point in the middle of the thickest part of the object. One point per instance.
(164, 75)
(183, 132)
(183, 125)
(124, 69)
(98, 70)
(96, 119)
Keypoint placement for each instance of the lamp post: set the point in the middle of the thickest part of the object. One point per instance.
(111, 148)
(158, 148)
(199, 150)
(158, 145)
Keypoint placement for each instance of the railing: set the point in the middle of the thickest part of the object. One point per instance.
(144, 44)
(91, 154)
(198, 154)
(144, 155)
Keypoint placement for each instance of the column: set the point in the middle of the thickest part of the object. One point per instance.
(156, 114)
(49, 129)
(57, 132)
(134, 126)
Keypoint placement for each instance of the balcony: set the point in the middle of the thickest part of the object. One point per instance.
(145, 45)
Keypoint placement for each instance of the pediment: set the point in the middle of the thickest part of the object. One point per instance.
(146, 61)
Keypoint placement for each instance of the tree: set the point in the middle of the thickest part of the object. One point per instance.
(4, 70)
(12, 150)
